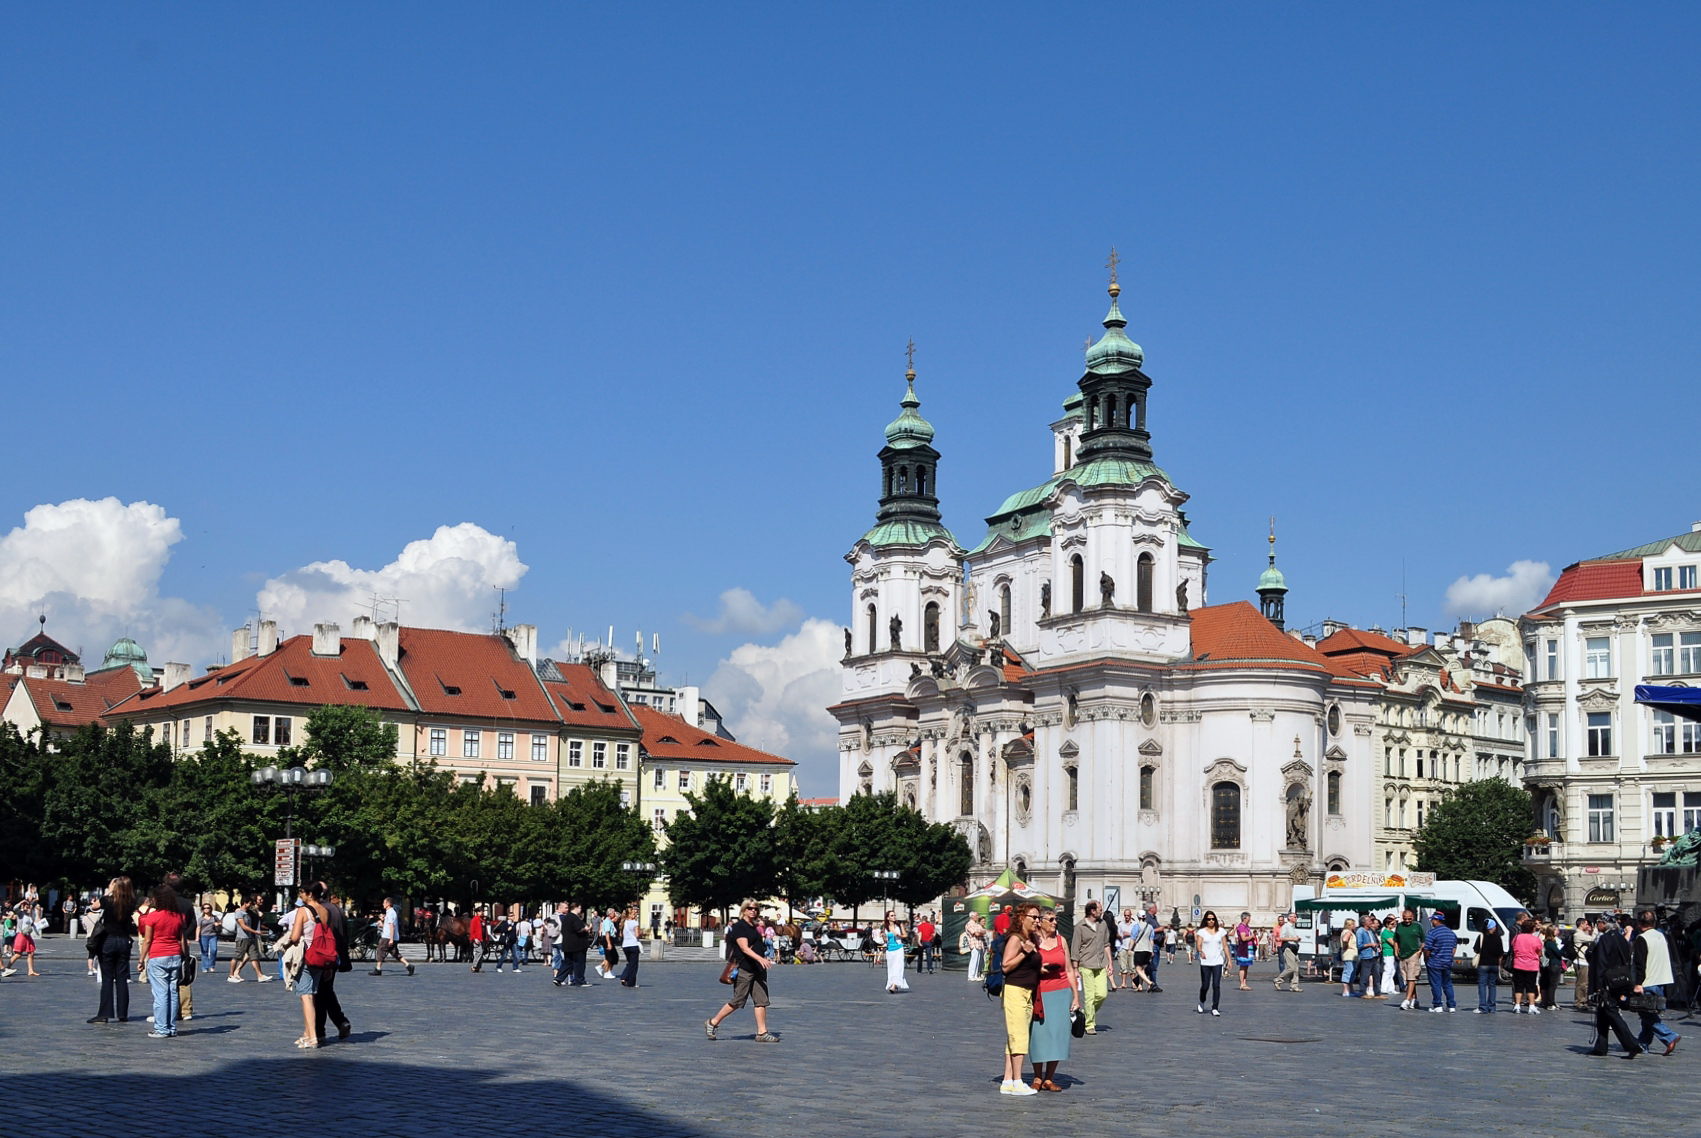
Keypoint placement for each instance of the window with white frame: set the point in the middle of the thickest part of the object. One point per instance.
(470, 740)
(684, 780)
(1689, 653)
(622, 756)
(1663, 813)
(439, 741)
(1597, 657)
(1552, 653)
(1600, 818)
(658, 778)
(575, 753)
(540, 748)
(1673, 736)
(765, 783)
(504, 744)
(1600, 733)
(183, 735)
(1553, 736)
(207, 733)
(658, 819)
(599, 756)
(1663, 657)
(1420, 813)
(1662, 579)
(165, 732)
(740, 781)
(1691, 811)
(1686, 576)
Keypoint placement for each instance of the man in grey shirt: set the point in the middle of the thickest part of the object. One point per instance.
(1090, 952)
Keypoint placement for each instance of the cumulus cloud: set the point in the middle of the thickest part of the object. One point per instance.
(743, 615)
(1525, 584)
(775, 696)
(93, 568)
(445, 581)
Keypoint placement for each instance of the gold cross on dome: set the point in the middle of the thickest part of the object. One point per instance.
(1111, 264)
(909, 354)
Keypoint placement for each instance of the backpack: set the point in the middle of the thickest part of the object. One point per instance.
(1614, 970)
(322, 949)
(993, 982)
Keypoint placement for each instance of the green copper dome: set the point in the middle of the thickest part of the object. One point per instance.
(127, 653)
(909, 429)
(1114, 352)
(1272, 579)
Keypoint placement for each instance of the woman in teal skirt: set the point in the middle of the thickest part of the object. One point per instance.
(1058, 996)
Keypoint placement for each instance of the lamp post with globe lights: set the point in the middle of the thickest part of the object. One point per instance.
(291, 780)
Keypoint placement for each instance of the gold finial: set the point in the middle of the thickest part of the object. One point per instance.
(909, 354)
(1115, 260)
(1272, 539)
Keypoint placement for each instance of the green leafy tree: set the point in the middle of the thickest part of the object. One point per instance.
(591, 835)
(805, 861)
(1476, 832)
(875, 832)
(721, 849)
(211, 822)
(99, 814)
(344, 739)
(24, 779)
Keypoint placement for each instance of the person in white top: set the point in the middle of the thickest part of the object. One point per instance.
(1287, 952)
(632, 947)
(1208, 940)
(389, 938)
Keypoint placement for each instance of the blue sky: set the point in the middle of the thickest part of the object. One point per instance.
(631, 292)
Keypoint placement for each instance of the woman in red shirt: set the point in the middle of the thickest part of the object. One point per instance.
(1057, 998)
(165, 942)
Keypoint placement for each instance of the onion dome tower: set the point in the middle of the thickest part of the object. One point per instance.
(1114, 390)
(1272, 586)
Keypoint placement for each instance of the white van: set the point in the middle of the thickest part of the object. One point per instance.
(1385, 895)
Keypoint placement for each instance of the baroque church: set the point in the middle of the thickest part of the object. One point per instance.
(1063, 691)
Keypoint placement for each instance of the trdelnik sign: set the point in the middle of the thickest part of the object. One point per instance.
(1379, 881)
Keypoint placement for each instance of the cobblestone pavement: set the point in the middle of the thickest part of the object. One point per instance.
(434, 1052)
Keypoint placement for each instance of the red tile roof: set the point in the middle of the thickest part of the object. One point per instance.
(1237, 635)
(1015, 668)
(1361, 664)
(817, 801)
(290, 674)
(68, 704)
(670, 737)
(471, 675)
(1358, 640)
(1595, 581)
(581, 699)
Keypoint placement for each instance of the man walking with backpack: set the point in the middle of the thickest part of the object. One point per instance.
(1612, 976)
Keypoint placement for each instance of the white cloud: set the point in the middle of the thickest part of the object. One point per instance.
(94, 567)
(775, 696)
(743, 615)
(1525, 584)
(448, 580)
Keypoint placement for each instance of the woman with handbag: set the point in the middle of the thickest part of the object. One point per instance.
(310, 922)
(109, 946)
(1056, 1000)
(1553, 965)
(165, 942)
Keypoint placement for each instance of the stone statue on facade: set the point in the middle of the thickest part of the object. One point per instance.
(1685, 851)
(1181, 597)
(1299, 817)
(1107, 590)
(847, 643)
(1045, 600)
(992, 623)
(896, 627)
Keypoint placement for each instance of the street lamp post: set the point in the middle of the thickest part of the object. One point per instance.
(291, 780)
(885, 877)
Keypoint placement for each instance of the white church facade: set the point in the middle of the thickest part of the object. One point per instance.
(1064, 692)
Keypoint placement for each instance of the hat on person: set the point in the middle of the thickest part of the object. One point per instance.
(1436, 917)
(1489, 924)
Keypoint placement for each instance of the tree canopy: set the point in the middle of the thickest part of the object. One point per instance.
(1476, 832)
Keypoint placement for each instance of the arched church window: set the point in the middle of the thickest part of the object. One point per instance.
(873, 630)
(1077, 584)
(1128, 411)
(1225, 816)
(1333, 796)
(1004, 608)
(1072, 788)
(903, 480)
(930, 627)
(1148, 787)
(967, 804)
(1143, 583)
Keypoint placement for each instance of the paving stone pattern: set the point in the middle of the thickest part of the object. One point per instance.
(434, 1053)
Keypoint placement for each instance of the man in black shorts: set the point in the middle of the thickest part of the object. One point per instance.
(744, 948)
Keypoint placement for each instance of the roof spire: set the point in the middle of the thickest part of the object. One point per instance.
(1111, 263)
(909, 355)
(1272, 541)
(1272, 585)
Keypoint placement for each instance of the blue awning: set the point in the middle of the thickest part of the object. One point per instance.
(1680, 701)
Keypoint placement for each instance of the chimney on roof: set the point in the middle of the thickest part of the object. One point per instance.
(268, 638)
(362, 629)
(327, 639)
(1330, 627)
(239, 640)
(609, 674)
(1376, 628)
(36, 671)
(524, 639)
(1695, 527)
(388, 638)
(176, 675)
(71, 673)
(1417, 636)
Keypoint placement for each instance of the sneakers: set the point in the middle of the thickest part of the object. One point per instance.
(1479, 1011)
(8, 971)
(184, 1018)
(1215, 1012)
(1201, 1009)
(1154, 988)
(265, 978)
(376, 972)
(1437, 1011)
(410, 970)
(767, 1037)
(709, 1028)
(1535, 1011)
(1016, 1087)
(233, 979)
(160, 1035)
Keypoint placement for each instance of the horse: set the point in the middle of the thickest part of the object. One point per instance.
(451, 930)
